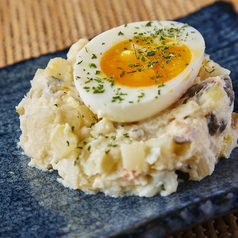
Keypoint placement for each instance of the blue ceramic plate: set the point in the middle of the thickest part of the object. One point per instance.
(34, 204)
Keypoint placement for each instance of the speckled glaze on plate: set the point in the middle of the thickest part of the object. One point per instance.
(34, 204)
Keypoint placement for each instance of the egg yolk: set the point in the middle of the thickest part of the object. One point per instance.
(145, 61)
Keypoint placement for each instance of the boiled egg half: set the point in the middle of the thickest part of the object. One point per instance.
(136, 70)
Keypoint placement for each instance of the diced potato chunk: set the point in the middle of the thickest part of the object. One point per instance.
(69, 172)
(216, 94)
(133, 156)
(211, 69)
(61, 69)
(87, 115)
(228, 144)
(74, 49)
(63, 141)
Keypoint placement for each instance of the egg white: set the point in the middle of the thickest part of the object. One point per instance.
(128, 104)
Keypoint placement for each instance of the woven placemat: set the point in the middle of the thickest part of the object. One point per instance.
(29, 28)
(222, 227)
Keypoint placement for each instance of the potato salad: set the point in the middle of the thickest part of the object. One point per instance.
(69, 119)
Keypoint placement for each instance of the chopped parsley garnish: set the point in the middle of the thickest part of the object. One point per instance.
(87, 89)
(161, 85)
(99, 89)
(148, 23)
(185, 101)
(134, 50)
(94, 56)
(117, 98)
(126, 135)
(92, 65)
(112, 145)
(151, 53)
(142, 95)
(122, 74)
(209, 71)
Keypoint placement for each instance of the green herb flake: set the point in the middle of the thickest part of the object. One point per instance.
(94, 56)
(67, 143)
(92, 65)
(122, 74)
(112, 145)
(161, 85)
(134, 50)
(89, 148)
(185, 101)
(209, 71)
(148, 23)
(142, 95)
(99, 89)
(80, 62)
(120, 33)
(126, 135)
(151, 53)
(72, 128)
(87, 89)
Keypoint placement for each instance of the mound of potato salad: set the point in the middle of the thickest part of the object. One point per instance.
(129, 111)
